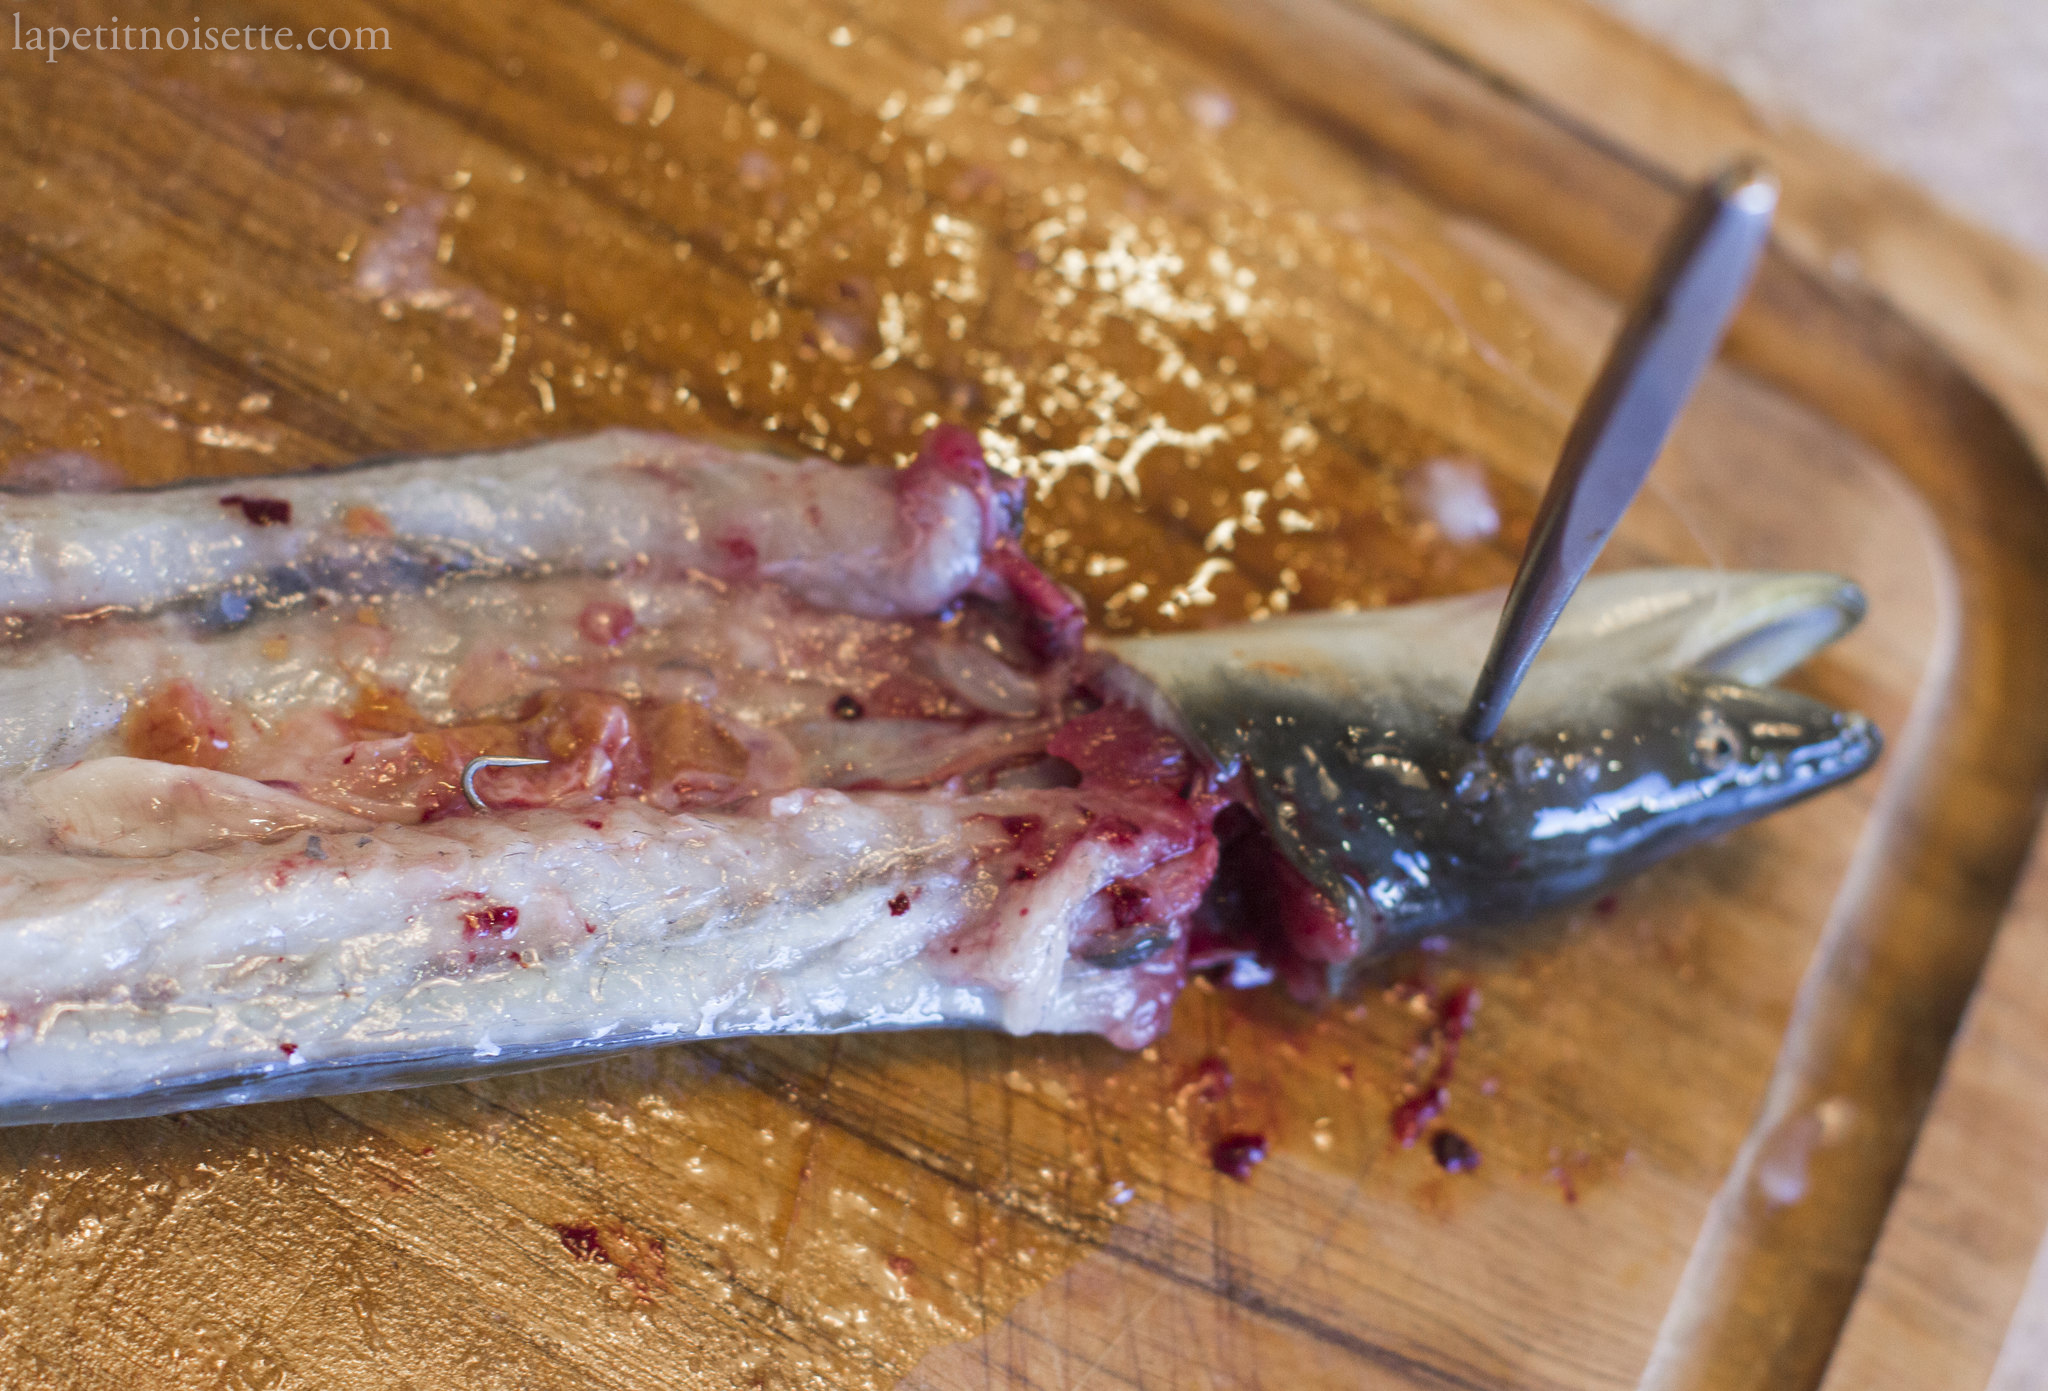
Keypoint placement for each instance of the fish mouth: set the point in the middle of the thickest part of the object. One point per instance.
(1645, 726)
(1836, 746)
(1710, 754)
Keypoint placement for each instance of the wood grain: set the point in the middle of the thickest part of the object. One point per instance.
(1166, 265)
(1982, 298)
(1972, 1211)
(1967, 1226)
(1766, 1290)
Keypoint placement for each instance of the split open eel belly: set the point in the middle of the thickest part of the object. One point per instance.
(770, 746)
(338, 961)
(814, 748)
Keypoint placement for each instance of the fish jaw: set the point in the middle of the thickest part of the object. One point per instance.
(1411, 831)
(1629, 742)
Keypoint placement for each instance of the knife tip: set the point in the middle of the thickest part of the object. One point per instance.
(1748, 185)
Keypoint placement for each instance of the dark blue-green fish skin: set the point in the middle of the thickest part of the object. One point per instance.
(1645, 727)
(1412, 831)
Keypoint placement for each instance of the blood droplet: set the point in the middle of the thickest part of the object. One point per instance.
(498, 920)
(1454, 1153)
(260, 511)
(1238, 1154)
(605, 624)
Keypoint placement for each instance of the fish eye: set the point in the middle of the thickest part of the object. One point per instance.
(1715, 743)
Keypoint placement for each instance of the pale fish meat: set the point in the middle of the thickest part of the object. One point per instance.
(760, 745)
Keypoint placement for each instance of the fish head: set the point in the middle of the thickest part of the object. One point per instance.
(1631, 739)
(1563, 802)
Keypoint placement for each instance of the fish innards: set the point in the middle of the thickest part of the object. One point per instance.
(433, 767)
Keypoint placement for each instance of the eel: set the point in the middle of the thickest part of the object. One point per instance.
(427, 768)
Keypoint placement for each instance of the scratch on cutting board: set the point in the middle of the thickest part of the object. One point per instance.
(803, 1171)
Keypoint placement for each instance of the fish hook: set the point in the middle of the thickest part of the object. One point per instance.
(477, 765)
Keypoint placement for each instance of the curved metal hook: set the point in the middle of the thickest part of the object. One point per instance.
(476, 765)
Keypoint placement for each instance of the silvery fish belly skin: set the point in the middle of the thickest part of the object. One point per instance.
(823, 751)
(592, 505)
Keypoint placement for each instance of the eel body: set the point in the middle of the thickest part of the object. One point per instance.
(753, 745)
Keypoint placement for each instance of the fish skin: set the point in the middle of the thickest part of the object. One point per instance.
(1015, 836)
(591, 504)
(1631, 739)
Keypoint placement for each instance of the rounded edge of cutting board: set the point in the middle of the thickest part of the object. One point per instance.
(1768, 1289)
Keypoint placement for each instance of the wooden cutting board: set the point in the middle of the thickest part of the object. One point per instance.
(1222, 280)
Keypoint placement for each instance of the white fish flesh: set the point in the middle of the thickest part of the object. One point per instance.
(810, 748)
(820, 752)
